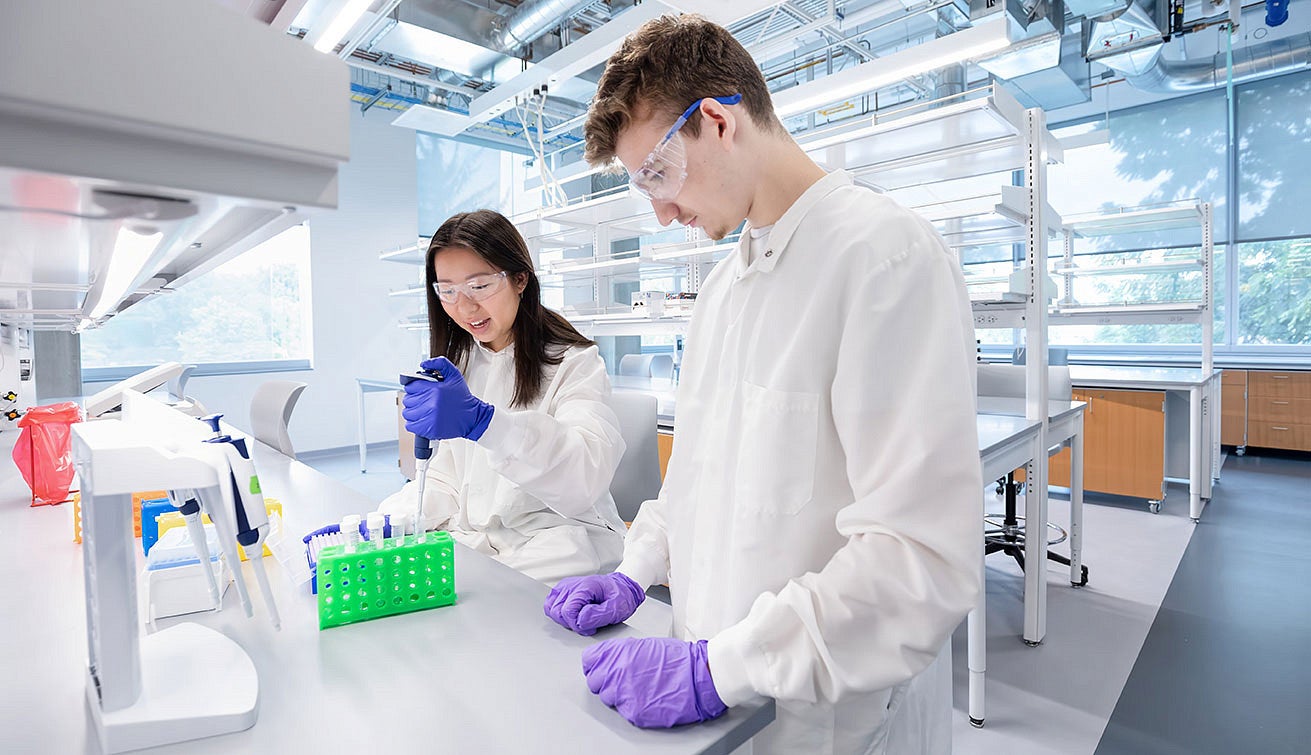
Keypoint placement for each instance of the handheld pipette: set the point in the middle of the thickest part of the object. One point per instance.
(189, 506)
(422, 449)
(252, 519)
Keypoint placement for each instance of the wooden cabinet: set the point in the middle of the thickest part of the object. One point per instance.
(1285, 435)
(1279, 410)
(665, 444)
(1123, 444)
(1233, 408)
(1279, 384)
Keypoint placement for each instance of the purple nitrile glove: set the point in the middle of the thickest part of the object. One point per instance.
(654, 682)
(585, 604)
(446, 409)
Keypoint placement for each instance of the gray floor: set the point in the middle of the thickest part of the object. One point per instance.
(1057, 697)
(1226, 667)
(1220, 611)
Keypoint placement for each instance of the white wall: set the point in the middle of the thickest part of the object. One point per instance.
(355, 322)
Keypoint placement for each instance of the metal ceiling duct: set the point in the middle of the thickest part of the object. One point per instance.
(532, 19)
(1128, 42)
(1272, 58)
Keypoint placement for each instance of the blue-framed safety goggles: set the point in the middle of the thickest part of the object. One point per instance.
(663, 171)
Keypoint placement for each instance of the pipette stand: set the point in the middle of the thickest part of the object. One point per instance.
(181, 683)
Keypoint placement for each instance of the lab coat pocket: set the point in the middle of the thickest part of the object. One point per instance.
(776, 453)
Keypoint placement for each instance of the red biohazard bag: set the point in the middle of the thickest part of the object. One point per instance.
(44, 452)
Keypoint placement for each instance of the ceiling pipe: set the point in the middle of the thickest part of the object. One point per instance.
(1254, 62)
(531, 20)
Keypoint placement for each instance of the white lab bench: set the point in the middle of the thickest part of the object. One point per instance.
(489, 674)
(1006, 442)
(1192, 420)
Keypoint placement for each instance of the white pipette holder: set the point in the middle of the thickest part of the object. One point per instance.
(181, 683)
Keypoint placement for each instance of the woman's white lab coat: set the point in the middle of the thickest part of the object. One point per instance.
(533, 491)
(820, 518)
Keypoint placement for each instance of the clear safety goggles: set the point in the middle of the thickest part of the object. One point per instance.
(476, 288)
(663, 171)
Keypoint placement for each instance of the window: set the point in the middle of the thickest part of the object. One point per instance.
(1154, 153)
(251, 314)
(1274, 256)
(1274, 292)
(1274, 158)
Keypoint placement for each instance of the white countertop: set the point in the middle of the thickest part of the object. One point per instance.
(1139, 377)
(489, 674)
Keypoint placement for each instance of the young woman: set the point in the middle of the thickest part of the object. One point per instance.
(528, 444)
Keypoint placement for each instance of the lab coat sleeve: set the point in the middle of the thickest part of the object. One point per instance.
(565, 458)
(903, 407)
(440, 503)
(646, 547)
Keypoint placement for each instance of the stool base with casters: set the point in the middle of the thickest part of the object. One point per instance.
(1006, 533)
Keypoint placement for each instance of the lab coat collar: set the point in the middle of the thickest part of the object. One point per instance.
(785, 226)
(505, 353)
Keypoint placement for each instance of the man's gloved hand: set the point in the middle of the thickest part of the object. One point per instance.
(654, 682)
(585, 604)
(446, 409)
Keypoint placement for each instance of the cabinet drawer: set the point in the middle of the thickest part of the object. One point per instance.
(1233, 377)
(1286, 435)
(1279, 410)
(1279, 384)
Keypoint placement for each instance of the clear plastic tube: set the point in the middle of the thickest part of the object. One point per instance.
(350, 531)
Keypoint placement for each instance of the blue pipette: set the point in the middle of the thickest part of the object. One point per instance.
(422, 447)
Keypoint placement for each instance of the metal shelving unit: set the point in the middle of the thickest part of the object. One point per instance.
(1204, 399)
(1184, 214)
(591, 226)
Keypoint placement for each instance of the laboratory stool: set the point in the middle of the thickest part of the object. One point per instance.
(1006, 533)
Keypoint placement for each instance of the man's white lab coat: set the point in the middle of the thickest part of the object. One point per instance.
(820, 518)
(534, 490)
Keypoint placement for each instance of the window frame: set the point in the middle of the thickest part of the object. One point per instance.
(1227, 352)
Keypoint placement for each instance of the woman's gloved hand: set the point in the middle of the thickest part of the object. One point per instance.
(445, 409)
(585, 604)
(654, 682)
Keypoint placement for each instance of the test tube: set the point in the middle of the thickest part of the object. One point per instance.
(376, 522)
(350, 531)
(399, 524)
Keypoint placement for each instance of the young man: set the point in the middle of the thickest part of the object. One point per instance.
(819, 525)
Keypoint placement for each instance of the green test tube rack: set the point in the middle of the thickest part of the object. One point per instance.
(385, 577)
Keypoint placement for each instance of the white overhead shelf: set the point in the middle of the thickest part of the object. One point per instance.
(623, 212)
(1124, 313)
(976, 133)
(1131, 269)
(1164, 217)
(418, 290)
(408, 255)
(986, 220)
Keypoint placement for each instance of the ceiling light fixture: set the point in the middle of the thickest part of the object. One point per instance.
(983, 38)
(348, 12)
(132, 250)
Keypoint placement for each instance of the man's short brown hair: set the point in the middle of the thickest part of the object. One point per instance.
(665, 66)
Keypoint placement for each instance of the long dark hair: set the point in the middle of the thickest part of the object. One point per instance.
(540, 335)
